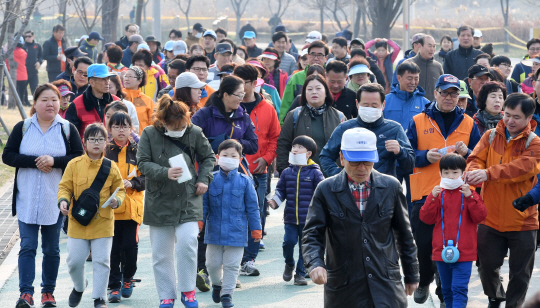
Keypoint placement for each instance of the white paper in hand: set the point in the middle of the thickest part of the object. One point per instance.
(179, 161)
(132, 174)
(108, 202)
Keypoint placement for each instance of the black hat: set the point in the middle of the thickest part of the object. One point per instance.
(74, 52)
(478, 70)
(198, 27)
(223, 48)
(152, 38)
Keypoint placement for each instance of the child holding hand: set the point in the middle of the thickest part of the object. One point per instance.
(456, 211)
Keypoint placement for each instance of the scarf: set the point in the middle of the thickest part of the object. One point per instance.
(443, 53)
(316, 111)
(490, 121)
(270, 79)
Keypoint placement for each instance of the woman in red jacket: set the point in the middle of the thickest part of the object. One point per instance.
(276, 77)
(22, 76)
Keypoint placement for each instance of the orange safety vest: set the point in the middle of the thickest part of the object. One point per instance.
(429, 136)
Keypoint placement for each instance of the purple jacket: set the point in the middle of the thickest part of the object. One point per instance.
(298, 190)
(216, 128)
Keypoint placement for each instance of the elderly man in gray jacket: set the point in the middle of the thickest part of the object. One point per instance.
(430, 70)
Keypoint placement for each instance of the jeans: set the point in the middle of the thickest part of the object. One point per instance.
(50, 237)
(252, 249)
(455, 282)
(293, 236)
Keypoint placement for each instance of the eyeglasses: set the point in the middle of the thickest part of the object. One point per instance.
(452, 94)
(316, 55)
(27, 36)
(121, 128)
(130, 77)
(79, 72)
(106, 79)
(482, 79)
(358, 163)
(94, 140)
(240, 96)
(199, 69)
(506, 65)
(132, 31)
(537, 49)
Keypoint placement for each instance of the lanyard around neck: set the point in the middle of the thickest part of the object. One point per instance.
(442, 219)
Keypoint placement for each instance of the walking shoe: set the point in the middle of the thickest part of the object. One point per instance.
(114, 296)
(127, 288)
(216, 290)
(47, 300)
(421, 294)
(443, 305)
(249, 269)
(25, 301)
(494, 303)
(287, 273)
(166, 303)
(189, 300)
(226, 301)
(299, 280)
(100, 303)
(203, 282)
(264, 233)
(74, 298)
(238, 284)
(261, 245)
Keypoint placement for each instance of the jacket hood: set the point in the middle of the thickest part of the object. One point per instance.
(85, 43)
(403, 95)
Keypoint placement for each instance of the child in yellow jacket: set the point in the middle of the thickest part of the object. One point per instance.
(97, 234)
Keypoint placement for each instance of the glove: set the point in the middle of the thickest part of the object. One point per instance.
(256, 234)
(523, 203)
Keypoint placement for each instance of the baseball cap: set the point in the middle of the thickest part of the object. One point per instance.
(169, 46)
(136, 38)
(179, 47)
(269, 55)
(478, 70)
(222, 48)
(64, 90)
(477, 33)
(447, 81)
(280, 28)
(94, 36)
(304, 52)
(346, 34)
(358, 69)
(359, 144)
(143, 46)
(358, 41)
(99, 71)
(249, 35)
(529, 62)
(198, 27)
(74, 52)
(211, 33)
(107, 45)
(188, 80)
(417, 36)
(313, 36)
(464, 92)
(152, 38)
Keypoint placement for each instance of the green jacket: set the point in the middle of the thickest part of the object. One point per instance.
(292, 89)
(167, 203)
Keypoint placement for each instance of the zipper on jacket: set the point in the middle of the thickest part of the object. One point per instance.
(297, 190)
(256, 120)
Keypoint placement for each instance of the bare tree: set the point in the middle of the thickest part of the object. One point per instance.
(336, 10)
(360, 15)
(185, 9)
(109, 19)
(319, 5)
(81, 7)
(138, 14)
(505, 13)
(282, 6)
(383, 14)
(239, 7)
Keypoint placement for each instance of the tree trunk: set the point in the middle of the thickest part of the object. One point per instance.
(321, 16)
(114, 19)
(505, 16)
(107, 27)
(138, 14)
(364, 17)
(238, 16)
(12, 104)
(187, 20)
(382, 30)
(357, 20)
(62, 9)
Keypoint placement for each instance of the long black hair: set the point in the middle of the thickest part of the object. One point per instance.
(229, 85)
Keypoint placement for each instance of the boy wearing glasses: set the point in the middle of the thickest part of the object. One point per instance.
(441, 128)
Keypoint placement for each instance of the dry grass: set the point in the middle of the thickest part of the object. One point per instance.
(10, 117)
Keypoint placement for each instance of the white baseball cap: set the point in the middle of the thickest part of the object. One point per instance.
(179, 47)
(188, 80)
(313, 36)
(477, 33)
(359, 144)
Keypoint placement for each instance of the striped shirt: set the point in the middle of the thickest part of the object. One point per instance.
(288, 64)
(360, 193)
(38, 191)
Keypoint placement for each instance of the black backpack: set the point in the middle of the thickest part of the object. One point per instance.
(86, 207)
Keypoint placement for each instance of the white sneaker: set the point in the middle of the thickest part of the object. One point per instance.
(249, 269)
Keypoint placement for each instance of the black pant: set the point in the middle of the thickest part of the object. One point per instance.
(423, 236)
(21, 91)
(201, 252)
(492, 248)
(33, 81)
(124, 252)
(52, 75)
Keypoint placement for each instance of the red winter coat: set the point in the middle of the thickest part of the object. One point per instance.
(474, 212)
(19, 54)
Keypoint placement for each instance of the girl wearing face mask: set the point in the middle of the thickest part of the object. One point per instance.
(315, 118)
(173, 210)
(456, 211)
(489, 102)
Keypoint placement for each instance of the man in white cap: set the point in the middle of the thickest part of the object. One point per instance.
(313, 36)
(362, 213)
(477, 39)
(179, 48)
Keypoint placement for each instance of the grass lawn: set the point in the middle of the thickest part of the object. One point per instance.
(10, 117)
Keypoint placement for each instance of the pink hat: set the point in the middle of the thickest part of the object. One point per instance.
(258, 64)
(64, 90)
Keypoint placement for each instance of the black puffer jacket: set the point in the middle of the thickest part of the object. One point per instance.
(362, 252)
(457, 62)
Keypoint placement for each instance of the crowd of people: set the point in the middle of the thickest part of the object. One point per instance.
(184, 137)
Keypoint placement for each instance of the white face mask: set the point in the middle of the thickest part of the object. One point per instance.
(198, 35)
(368, 114)
(228, 164)
(175, 133)
(257, 89)
(298, 159)
(451, 184)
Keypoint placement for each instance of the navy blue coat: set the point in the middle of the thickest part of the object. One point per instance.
(298, 189)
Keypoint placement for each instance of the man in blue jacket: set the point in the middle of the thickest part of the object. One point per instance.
(405, 100)
(392, 143)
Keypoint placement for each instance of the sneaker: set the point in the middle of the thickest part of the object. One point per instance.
(189, 300)
(47, 300)
(203, 282)
(25, 301)
(421, 294)
(494, 303)
(75, 298)
(114, 296)
(216, 291)
(238, 284)
(127, 288)
(261, 245)
(99, 303)
(166, 303)
(249, 269)
(226, 301)
(287, 273)
(264, 233)
(299, 280)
